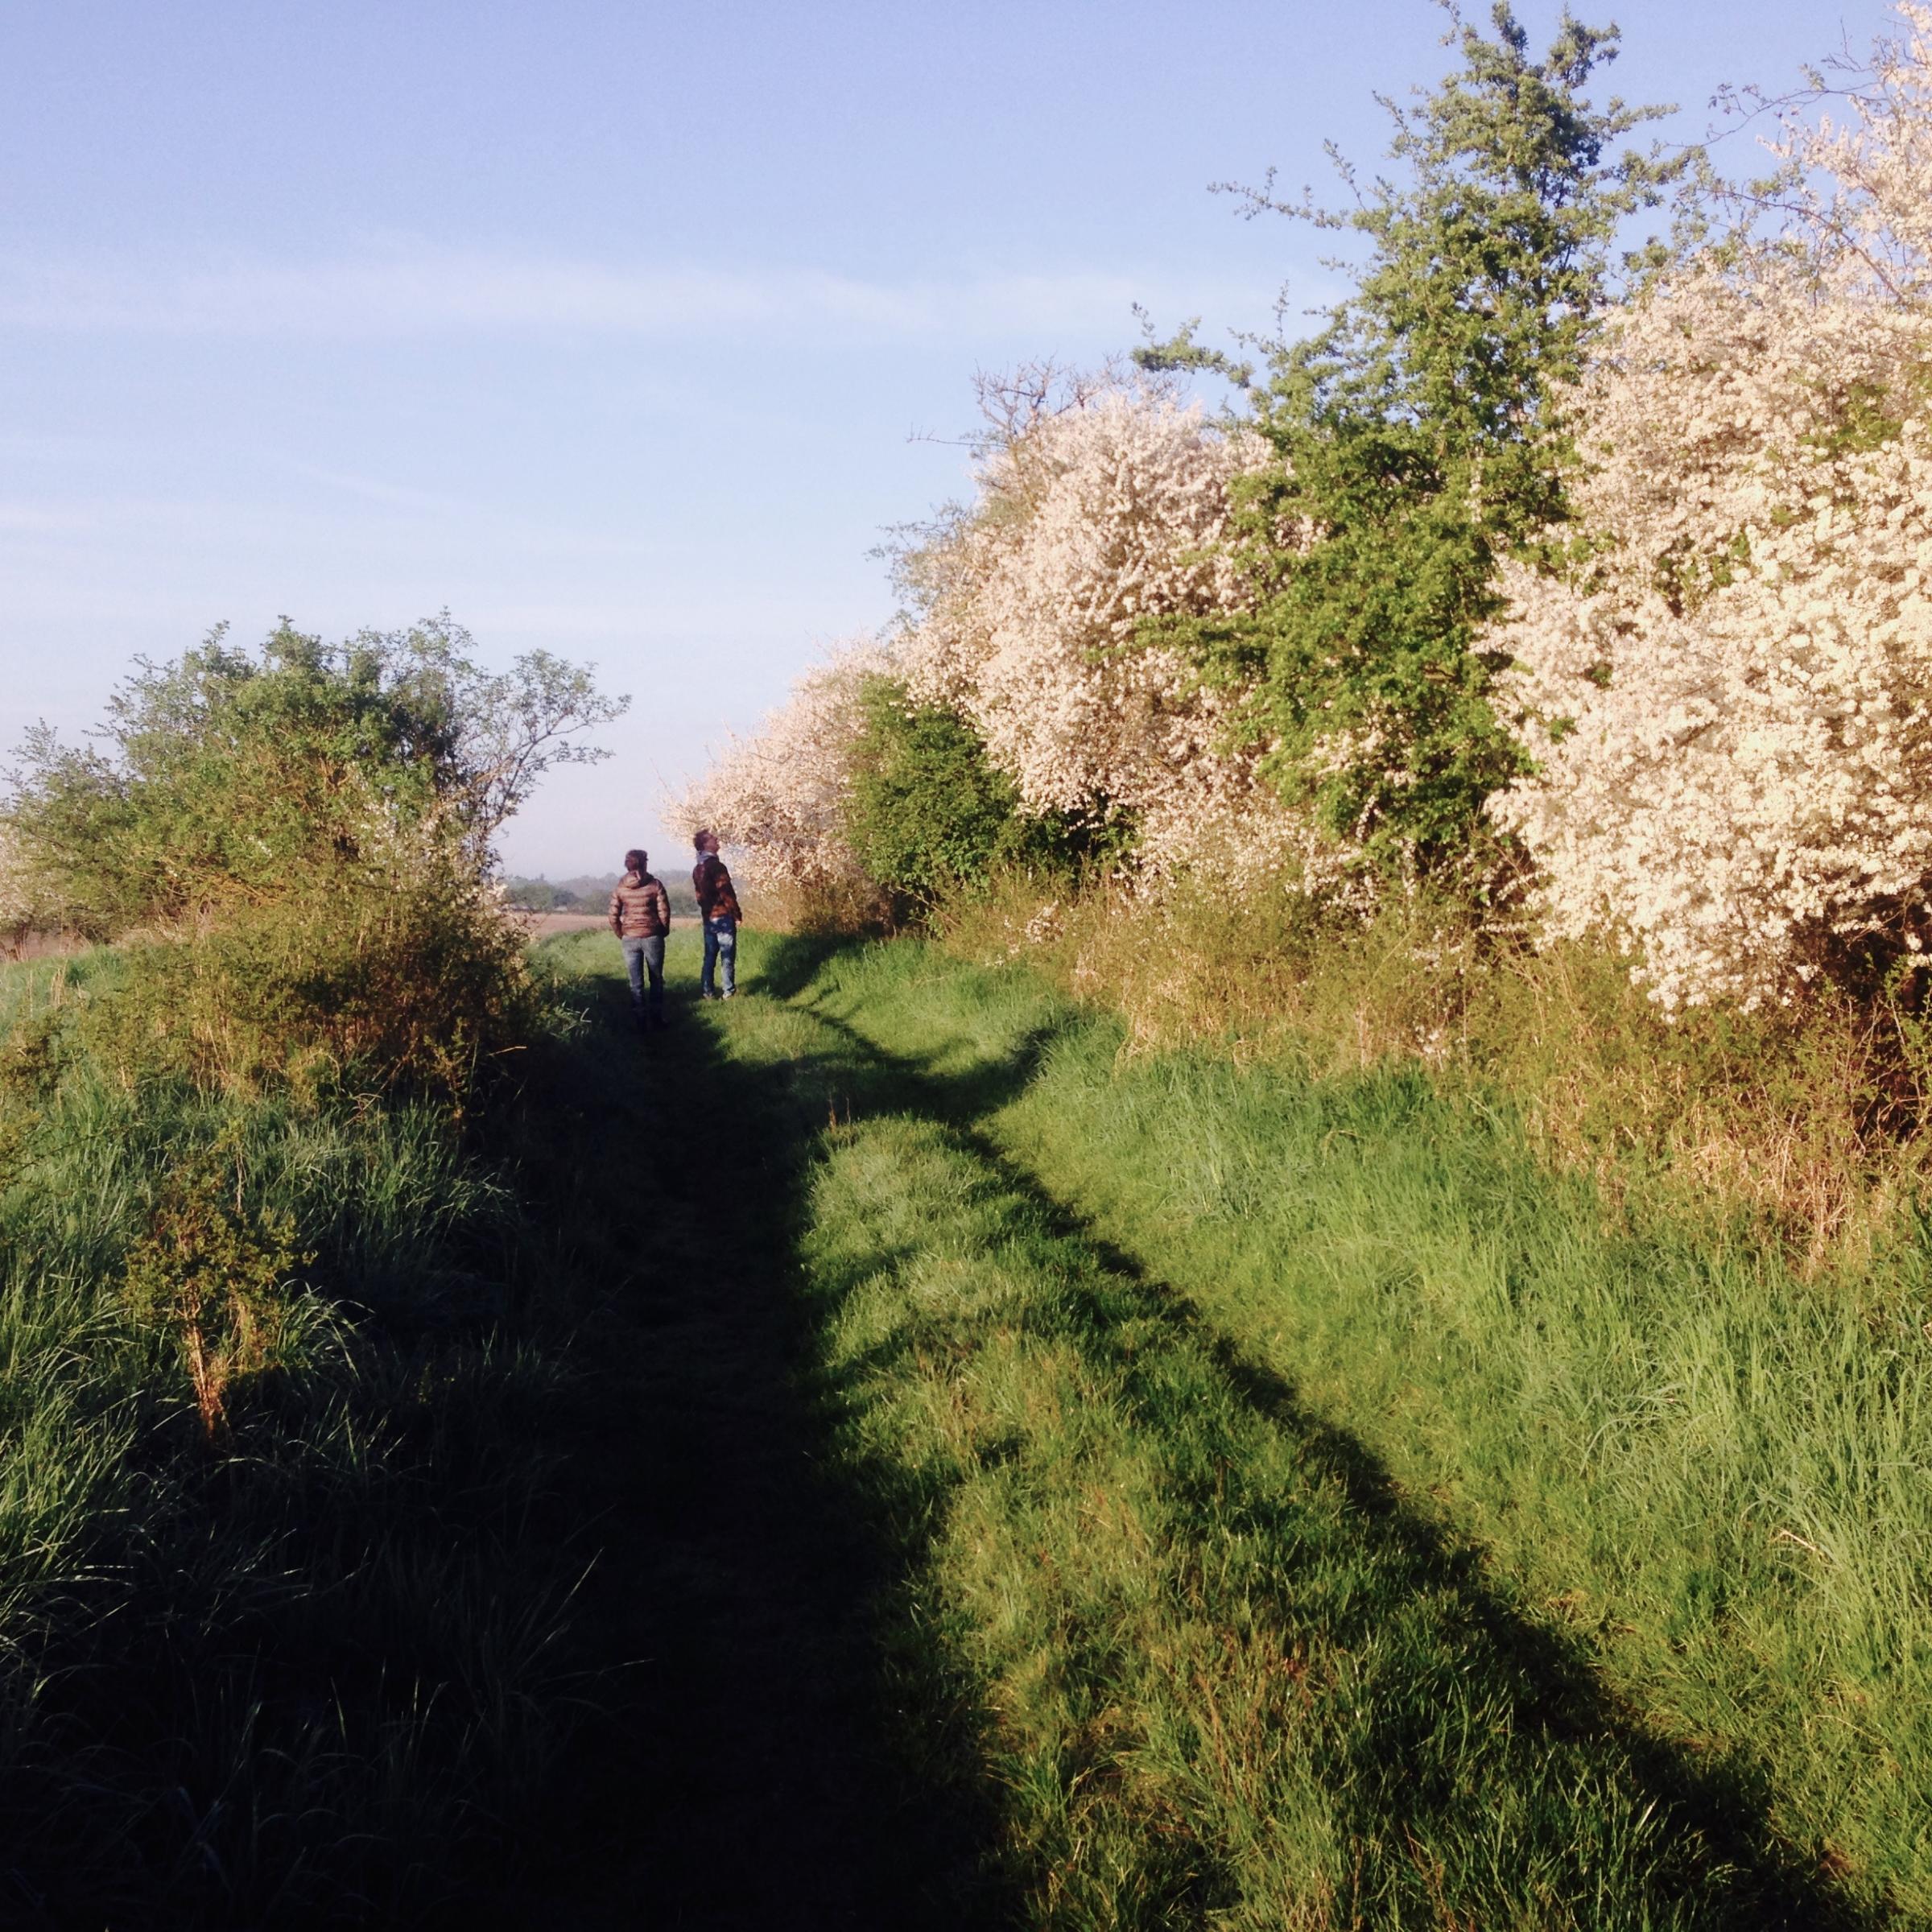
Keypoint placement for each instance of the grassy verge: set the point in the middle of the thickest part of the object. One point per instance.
(301, 1670)
(875, 1453)
(292, 1674)
(515, 1593)
(1808, 1123)
(1334, 1523)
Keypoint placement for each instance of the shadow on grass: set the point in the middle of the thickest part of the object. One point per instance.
(1717, 1854)
(789, 962)
(739, 1764)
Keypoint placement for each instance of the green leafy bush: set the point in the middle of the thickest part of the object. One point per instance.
(1419, 444)
(230, 776)
(927, 815)
(214, 1276)
(387, 991)
(299, 839)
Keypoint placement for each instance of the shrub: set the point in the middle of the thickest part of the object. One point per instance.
(214, 1276)
(298, 841)
(379, 989)
(1102, 503)
(926, 814)
(1726, 697)
(230, 776)
(1415, 444)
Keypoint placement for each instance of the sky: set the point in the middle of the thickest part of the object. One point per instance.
(626, 331)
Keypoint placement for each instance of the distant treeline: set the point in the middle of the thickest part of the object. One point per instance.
(589, 893)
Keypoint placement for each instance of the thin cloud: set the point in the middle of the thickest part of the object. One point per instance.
(397, 293)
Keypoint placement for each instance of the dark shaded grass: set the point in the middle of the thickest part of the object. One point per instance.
(739, 1762)
(276, 1677)
(518, 1598)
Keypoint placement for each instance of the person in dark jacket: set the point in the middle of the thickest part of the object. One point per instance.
(640, 916)
(718, 908)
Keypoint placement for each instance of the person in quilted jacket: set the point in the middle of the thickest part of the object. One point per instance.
(640, 916)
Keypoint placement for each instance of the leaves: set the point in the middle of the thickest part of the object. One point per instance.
(926, 814)
(215, 1276)
(1420, 439)
(227, 775)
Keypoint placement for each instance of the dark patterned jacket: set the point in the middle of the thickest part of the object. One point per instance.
(640, 908)
(711, 883)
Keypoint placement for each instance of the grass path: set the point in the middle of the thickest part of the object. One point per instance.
(1701, 1481)
(981, 1580)
(871, 1456)
(731, 1771)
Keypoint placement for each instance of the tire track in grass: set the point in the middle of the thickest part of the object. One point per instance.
(1216, 1673)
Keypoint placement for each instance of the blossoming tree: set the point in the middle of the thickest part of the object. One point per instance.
(1090, 521)
(1730, 700)
(779, 796)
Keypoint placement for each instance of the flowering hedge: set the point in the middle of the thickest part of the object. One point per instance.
(779, 796)
(1728, 699)
(1088, 520)
(1112, 512)
(1724, 692)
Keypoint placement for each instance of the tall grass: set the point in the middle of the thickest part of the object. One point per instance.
(1696, 1473)
(1809, 1123)
(280, 1677)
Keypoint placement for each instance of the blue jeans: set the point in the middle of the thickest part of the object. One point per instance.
(720, 954)
(643, 956)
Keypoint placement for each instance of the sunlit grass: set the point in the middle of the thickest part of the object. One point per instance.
(1697, 1476)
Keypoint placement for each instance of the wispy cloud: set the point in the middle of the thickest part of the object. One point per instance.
(398, 290)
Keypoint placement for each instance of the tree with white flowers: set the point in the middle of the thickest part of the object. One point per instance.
(779, 796)
(1091, 518)
(1730, 699)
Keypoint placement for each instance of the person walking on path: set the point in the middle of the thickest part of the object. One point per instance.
(640, 916)
(718, 908)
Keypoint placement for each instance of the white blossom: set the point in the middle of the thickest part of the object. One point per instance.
(1087, 524)
(1730, 703)
(777, 796)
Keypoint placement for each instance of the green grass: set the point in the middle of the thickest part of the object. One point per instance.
(517, 1596)
(272, 1678)
(877, 1454)
(1323, 1515)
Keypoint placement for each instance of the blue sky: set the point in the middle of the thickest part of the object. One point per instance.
(622, 330)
